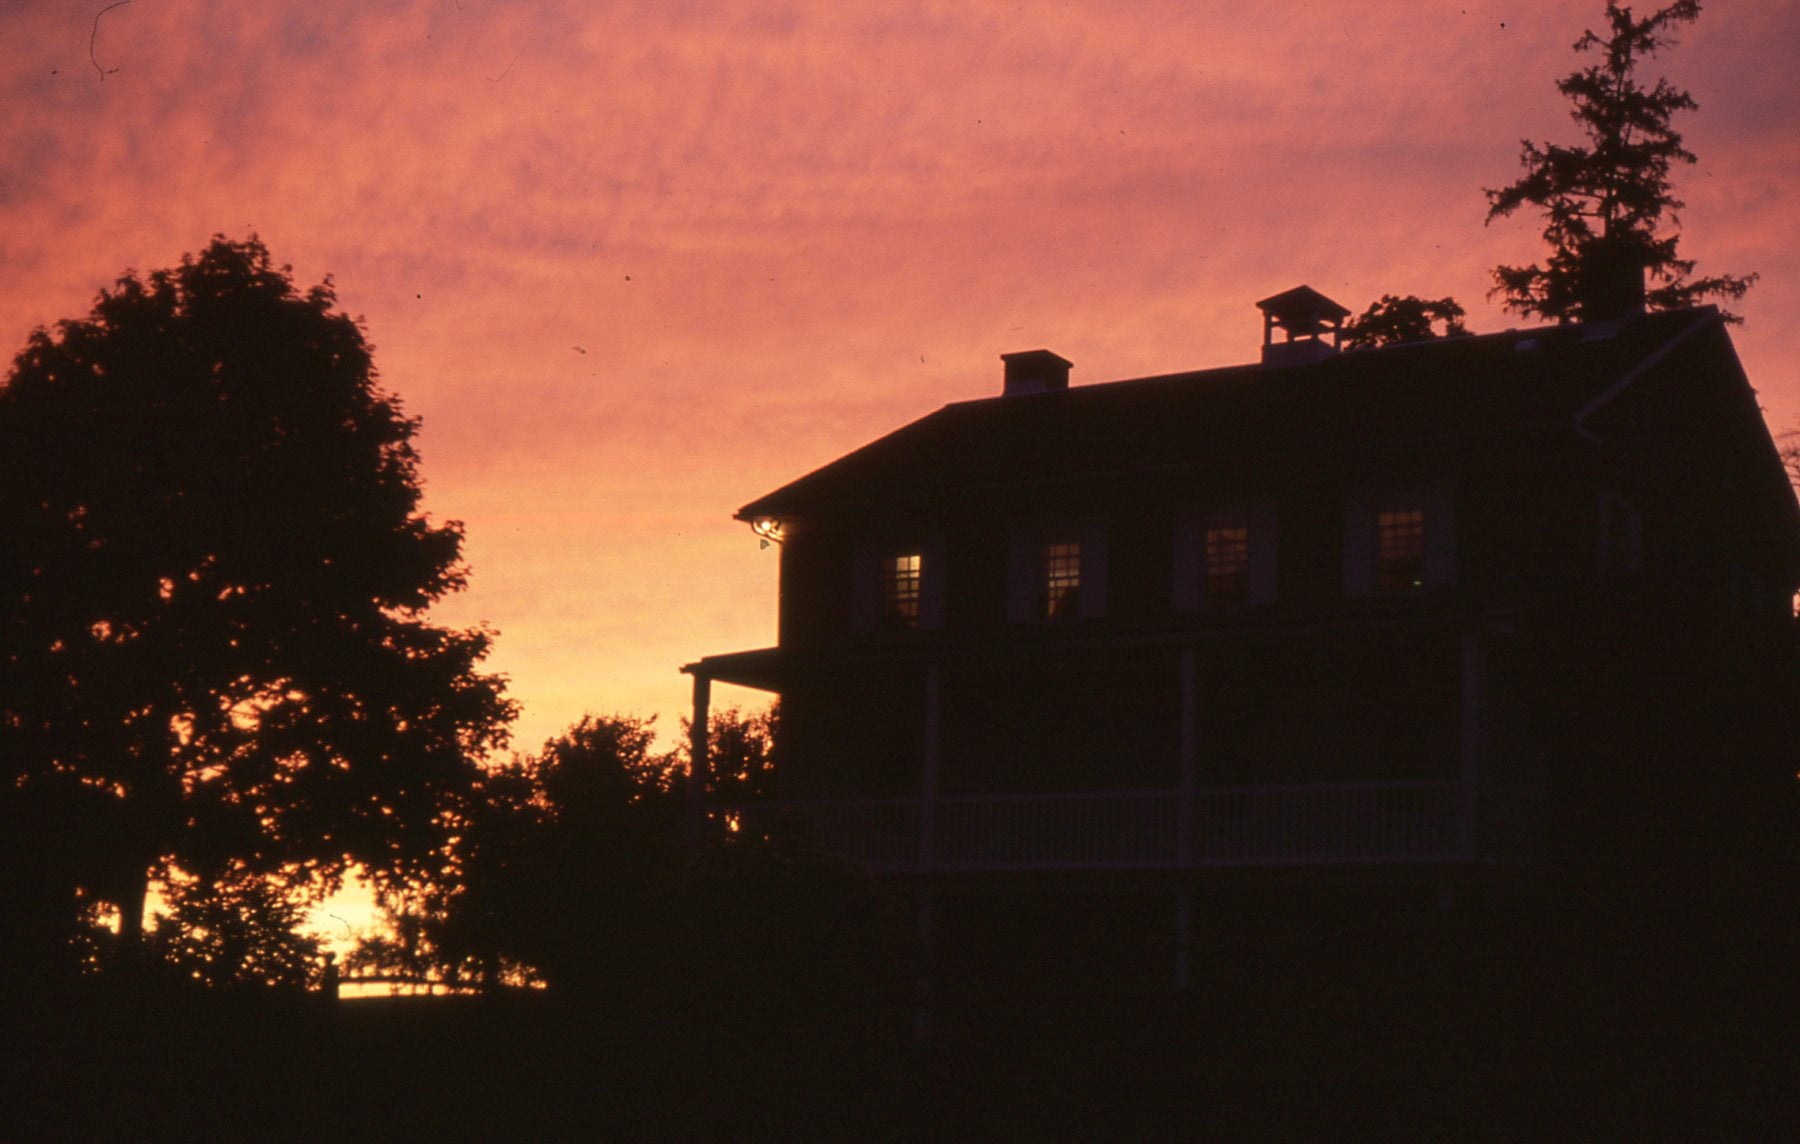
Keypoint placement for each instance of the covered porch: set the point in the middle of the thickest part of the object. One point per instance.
(1480, 804)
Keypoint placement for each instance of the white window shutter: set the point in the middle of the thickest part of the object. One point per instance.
(931, 586)
(1184, 595)
(1022, 573)
(1359, 543)
(1260, 520)
(865, 587)
(1606, 508)
(1092, 601)
(1440, 535)
(1634, 538)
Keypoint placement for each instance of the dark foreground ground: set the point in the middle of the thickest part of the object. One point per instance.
(1263, 1050)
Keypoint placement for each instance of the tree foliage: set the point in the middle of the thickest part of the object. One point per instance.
(740, 754)
(556, 858)
(572, 870)
(565, 860)
(1609, 207)
(215, 660)
(236, 929)
(1395, 320)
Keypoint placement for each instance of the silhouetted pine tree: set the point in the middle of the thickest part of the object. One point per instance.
(1608, 203)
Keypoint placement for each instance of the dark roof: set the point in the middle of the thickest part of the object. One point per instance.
(1301, 302)
(1478, 386)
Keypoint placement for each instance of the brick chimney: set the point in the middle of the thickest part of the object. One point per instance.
(1609, 281)
(1035, 371)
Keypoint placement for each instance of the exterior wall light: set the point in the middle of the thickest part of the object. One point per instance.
(767, 529)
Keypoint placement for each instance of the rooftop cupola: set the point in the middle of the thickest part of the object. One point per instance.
(1035, 371)
(1304, 316)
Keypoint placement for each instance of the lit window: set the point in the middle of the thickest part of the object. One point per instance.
(1062, 580)
(1400, 548)
(1226, 576)
(900, 595)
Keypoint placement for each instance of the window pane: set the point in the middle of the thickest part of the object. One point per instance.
(1400, 548)
(1062, 580)
(1227, 568)
(900, 575)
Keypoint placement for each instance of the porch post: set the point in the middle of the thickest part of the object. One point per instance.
(924, 997)
(699, 746)
(928, 778)
(1473, 703)
(1187, 780)
(1186, 751)
(924, 988)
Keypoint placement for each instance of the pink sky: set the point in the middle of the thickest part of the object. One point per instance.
(635, 264)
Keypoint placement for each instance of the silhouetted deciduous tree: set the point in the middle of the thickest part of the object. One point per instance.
(740, 754)
(1398, 319)
(236, 928)
(1608, 204)
(215, 661)
(571, 868)
(559, 860)
(466, 925)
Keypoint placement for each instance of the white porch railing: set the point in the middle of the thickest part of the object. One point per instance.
(1422, 820)
(1297, 825)
(1110, 830)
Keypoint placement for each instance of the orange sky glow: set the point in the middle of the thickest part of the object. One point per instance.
(636, 263)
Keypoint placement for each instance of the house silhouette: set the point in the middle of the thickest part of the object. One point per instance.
(1459, 620)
